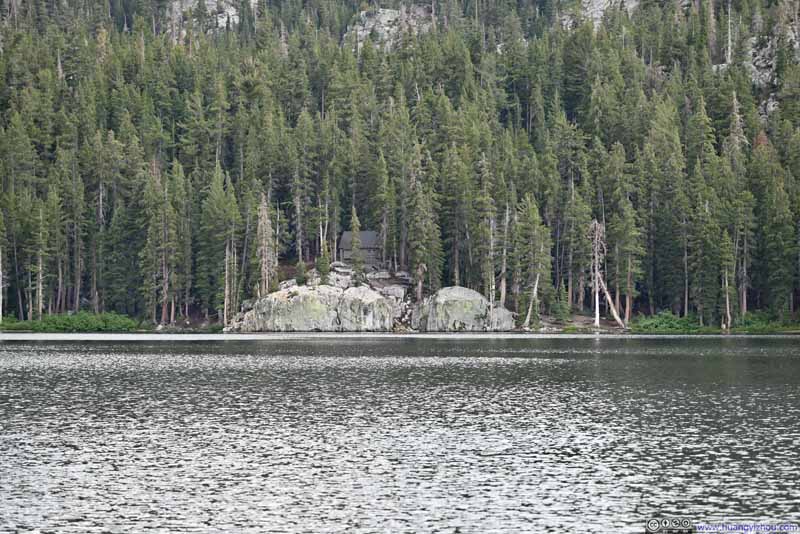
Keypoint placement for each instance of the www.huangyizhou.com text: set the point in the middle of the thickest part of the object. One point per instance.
(752, 528)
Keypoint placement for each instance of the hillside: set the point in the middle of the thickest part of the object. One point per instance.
(168, 159)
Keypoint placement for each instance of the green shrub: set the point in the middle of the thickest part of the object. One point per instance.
(666, 323)
(762, 322)
(561, 310)
(323, 265)
(300, 274)
(78, 322)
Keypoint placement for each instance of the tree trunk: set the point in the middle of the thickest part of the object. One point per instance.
(241, 277)
(60, 288)
(570, 294)
(234, 303)
(685, 275)
(725, 286)
(39, 285)
(421, 269)
(95, 295)
(186, 299)
(226, 297)
(2, 287)
(534, 299)
(491, 273)
(611, 303)
(30, 295)
(596, 291)
(78, 266)
(743, 290)
(299, 236)
(164, 287)
(629, 293)
(20, 301)
(456, 260)
(651, 275)
(598, 249)
(504, 263)
(616, 277)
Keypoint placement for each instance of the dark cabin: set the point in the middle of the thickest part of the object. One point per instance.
(370, 248)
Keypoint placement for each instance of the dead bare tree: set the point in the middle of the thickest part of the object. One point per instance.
(597, 234)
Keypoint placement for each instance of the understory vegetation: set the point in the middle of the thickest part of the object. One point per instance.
(78, 322)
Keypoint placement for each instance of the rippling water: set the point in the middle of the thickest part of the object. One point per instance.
(397, 435)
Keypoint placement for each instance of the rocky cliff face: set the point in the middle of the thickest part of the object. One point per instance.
(326, 308)
(595, 9)
(386, 26)
(761, 58)
(458, 309)
(221, 11)
(320, 308)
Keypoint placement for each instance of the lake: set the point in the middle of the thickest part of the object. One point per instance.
(397, 434)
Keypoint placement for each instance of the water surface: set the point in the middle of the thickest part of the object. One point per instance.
(397, 435)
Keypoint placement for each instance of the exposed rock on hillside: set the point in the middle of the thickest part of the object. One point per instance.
(386, 26)
(322, 308)
(458, 309)
(761, 60)
(220, 11)
(594, 10)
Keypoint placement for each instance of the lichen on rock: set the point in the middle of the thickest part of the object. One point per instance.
(321, 308)
(459, 309)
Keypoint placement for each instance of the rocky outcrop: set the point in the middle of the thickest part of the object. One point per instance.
(386, 26)
(320, 308)
(220, 12)
(458, 309)
(594, 10)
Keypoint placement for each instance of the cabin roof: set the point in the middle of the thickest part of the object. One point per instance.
(369, 239)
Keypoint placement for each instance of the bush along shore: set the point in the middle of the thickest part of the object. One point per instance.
(81, 322)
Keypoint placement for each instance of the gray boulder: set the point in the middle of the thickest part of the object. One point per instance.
(378, 275)
(362, 309)
(393, 290)
(458, 309)
(337, 279)
(320, 308)
(286, 284)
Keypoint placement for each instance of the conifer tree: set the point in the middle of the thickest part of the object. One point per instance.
(215, 262)
(266, 248)
(159, 254)
(670, 209)
(182, 201)
(533, 249)
(426, 256)
(486, 229)
(727, 267)
(2, 264)
(357, 258)
(624, 234)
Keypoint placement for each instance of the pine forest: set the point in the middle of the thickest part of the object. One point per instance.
(170, 160)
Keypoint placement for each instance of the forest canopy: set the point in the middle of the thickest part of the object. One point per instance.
(167, 166)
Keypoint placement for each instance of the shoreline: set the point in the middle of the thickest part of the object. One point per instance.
(310, 336)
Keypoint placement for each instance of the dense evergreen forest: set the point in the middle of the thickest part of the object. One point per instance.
(167, 171)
